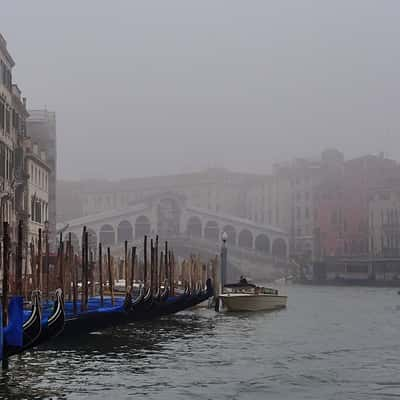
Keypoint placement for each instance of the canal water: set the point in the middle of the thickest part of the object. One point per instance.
(330, 343)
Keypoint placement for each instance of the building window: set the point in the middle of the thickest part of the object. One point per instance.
(2, 120)
(2, 160)
(33, 209)
(307, 213)
(334, 218)
(8, 125)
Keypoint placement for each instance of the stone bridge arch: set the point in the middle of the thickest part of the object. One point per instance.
(211, 231)
(245, 239)
(262, 243)
(231, 233)
(124, 231)
(168, 210)
(194, 227)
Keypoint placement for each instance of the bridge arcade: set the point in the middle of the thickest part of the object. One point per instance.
(169, 215)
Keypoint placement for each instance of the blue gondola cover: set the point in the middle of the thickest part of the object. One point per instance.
(13, 333)
(1, 333)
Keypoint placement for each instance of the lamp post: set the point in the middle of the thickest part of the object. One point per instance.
(224, 261)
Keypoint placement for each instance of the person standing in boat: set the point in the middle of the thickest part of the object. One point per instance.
(243, 280)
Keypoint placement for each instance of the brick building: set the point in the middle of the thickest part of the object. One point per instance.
(342, 205)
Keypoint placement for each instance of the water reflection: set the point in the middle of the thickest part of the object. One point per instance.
(84, 360)
(328, 339)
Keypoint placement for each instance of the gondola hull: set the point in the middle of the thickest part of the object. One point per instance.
(31, 330)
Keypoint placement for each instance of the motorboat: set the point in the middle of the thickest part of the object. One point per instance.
(244, 296)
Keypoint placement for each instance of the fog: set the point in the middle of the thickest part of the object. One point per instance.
(163, 87)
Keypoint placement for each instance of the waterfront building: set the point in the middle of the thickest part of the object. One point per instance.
(37, 190)
(8, 139)
(41, 127)
(342, 207)
(301, 176)
(300, 183)
(384, 219)
(24, 170)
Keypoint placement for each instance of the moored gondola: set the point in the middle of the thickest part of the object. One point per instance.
(53, 324)
(31, 328)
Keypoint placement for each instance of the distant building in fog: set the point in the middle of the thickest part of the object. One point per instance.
(384, 219)
(41, 127)
(323, 204)
(257, 198)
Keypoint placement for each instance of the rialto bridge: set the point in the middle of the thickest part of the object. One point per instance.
(254, 249)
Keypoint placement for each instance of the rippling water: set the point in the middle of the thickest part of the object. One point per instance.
(330, 343)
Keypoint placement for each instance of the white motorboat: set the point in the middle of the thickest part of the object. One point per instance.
(248, 297)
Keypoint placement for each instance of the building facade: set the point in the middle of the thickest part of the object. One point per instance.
(37, 190)
(8, 140)
(384, 220)
(343, 205)
(24, 171)
(41, 127)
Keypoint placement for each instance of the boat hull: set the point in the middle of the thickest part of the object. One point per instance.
(252, 302)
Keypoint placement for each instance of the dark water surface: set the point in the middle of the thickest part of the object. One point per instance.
(330, 343)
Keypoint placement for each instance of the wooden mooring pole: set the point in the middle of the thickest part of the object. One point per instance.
(101, 275)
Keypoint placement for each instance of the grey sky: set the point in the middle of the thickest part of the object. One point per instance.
(159, 87)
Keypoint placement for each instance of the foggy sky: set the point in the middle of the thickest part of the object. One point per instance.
(162, 87)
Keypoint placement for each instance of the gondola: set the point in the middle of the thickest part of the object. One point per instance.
(53, 324)
(197, 296)
(174, 304)
(96, 317)
(139, 299)
(144, 307)
(31, 328)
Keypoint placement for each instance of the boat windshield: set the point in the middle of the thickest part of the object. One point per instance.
(250, 289)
